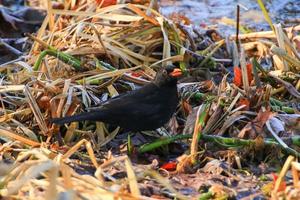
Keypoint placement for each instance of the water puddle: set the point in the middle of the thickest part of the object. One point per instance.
(216, 12)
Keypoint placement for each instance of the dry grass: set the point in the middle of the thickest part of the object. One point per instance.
(110, 43)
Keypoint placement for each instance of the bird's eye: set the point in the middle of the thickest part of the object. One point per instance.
(165, 72)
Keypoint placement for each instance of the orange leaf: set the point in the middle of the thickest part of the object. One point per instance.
(180, 18)
(249, 72)
(187, 108)
(105, 3)
(142, 14)
(244, 101)
(170, 166)
(237, 76)
(54, 146)
(282, 184)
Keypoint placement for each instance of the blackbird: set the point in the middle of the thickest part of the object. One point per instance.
(146, 108)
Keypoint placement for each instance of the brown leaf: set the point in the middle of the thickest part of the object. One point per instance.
(44, 102)
(255, 127)
(186, 107)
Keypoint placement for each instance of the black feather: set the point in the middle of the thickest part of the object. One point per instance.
(147, 108)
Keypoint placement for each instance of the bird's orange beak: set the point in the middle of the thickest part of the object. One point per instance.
(176, 72)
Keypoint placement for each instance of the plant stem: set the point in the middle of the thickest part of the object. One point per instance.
(66, 58)
(223, 141)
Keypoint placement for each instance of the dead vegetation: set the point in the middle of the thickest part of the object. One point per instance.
(240, 106)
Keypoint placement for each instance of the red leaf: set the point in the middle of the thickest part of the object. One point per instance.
(136, 74)
(237, 76)
(244, 101)
(170, 166)
(282, 184)
(249, 72)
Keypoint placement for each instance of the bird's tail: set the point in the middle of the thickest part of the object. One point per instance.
(92, 116)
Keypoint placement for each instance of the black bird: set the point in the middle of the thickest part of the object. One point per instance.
(146, 108)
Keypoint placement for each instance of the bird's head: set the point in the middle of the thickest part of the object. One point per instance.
(167, 75)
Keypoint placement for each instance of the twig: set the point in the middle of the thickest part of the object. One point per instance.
(11, 135)
(237, 25)
(41, 42)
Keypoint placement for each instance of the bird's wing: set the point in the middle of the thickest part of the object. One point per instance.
(138, 94)
(136, 102)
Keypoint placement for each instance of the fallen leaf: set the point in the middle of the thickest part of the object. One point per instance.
(249, 72)
(255, 127)
(136, 74)
(180, 18)
(238, 79)
(282, 184)
(186, 107)
(105, 3)
(170, 166)
(244, 101)
(237, 76)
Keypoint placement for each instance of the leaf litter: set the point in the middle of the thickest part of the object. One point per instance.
(236, 125)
